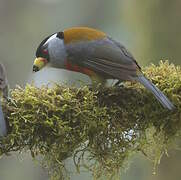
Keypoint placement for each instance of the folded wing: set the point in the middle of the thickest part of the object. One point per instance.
(105, 57)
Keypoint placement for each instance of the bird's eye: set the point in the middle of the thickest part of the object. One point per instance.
(45, 51)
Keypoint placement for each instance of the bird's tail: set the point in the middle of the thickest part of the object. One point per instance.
(157, 93)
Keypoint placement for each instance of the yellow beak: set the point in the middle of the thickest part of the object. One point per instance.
(39, 63)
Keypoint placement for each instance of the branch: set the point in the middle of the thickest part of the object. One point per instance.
(100, 129)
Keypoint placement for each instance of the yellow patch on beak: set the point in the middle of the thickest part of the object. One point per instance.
(39, 63)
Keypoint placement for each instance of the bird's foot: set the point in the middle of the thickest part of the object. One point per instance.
(119, 84)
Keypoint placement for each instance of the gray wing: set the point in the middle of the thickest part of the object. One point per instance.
(105, 57)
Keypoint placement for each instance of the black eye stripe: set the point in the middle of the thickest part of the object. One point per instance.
(39, 49)
(43, 42)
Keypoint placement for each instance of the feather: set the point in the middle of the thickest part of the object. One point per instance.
(104, 57)
(111, 60)
(157, 93)
(78, 34)
(106, 70)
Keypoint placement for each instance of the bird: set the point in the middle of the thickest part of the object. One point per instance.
(3, 94)
(95, 54)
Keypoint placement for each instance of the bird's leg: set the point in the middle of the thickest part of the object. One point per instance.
(119, 83)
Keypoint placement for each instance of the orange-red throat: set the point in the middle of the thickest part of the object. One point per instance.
(39, 63)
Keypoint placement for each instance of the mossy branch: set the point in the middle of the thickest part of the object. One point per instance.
(100, 129)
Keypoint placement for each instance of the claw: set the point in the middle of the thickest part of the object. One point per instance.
(119, 83)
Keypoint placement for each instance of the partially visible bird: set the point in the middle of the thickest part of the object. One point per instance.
(3, 94)
(92, 52)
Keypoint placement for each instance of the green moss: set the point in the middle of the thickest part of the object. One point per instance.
(100, 129)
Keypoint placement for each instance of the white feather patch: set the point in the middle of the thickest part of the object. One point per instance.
(50, 38)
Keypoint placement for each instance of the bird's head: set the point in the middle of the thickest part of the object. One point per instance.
(51, 51)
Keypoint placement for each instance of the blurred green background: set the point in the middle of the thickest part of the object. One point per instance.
(151, 30)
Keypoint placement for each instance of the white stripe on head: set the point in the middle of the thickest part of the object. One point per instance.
(51, 37)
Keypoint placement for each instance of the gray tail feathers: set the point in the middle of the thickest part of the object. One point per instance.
(157, 93)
